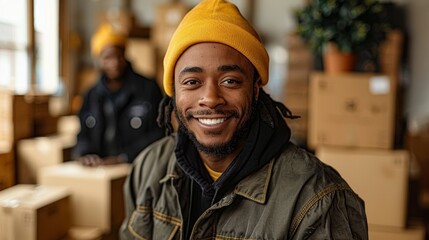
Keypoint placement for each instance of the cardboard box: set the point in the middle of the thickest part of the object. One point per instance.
(68, 129)
(301, 58)
(97, 193)
(23, 117)
(142, 54)
(414, 232)
(121, 21)
(294, 41)
(167, 18)
(6, 129)
(417, 143)
(15, 117)
(44, 123)
(297, 74)
(7, 168)
(297, 87)
(352, 110)
(85, 233)
(36, 153)
(34, 212)
(379, 177)
(68, 125)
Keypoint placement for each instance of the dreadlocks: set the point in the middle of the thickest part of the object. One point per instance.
(165, 111)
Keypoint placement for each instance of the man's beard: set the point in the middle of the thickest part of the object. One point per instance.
(219, 150)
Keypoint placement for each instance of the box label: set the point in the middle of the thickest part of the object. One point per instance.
(379, 85)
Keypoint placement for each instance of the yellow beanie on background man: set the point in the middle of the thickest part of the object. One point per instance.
(106, 36)
(215, 21)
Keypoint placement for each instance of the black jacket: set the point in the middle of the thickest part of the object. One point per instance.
(128, 116)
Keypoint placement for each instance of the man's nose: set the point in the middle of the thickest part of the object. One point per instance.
(211, 95)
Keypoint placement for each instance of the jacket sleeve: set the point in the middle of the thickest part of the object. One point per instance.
(83, 140)
(148, 169)
(131, 186)
(339, 214)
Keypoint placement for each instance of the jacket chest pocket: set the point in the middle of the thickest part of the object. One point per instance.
(148, 224)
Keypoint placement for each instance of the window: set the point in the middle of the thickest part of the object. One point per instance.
(47, 45)
(15, 65)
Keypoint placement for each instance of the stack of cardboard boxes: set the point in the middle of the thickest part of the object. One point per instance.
(85, 203)
(351, 127)
(90, 207)
(69, 201)
(15, 124)
(352, 120)
(22, 117)
(97, 199)
(37, 152)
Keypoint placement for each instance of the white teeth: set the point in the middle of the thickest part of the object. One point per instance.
(211, 121)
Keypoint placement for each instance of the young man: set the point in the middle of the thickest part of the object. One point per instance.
(230, 171)
(118, 115)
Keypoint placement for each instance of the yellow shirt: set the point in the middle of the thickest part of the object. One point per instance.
(213, 174)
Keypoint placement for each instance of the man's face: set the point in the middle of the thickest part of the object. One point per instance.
(112, 61)
(214, 92)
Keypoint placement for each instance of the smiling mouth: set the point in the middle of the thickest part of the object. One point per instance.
(211, 121)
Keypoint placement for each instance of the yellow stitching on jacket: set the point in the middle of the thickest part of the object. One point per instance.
(143, 209)
(158, 215)
(309, 204)
(173, 233)
(131, 229)
(267, 180)
(220, 237)
(167, 218)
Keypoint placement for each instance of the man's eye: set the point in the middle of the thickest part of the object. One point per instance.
(231, 81)
(191, 82)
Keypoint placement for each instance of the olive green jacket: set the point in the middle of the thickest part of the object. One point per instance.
(295, 196)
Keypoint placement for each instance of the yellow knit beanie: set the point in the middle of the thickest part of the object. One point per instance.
(106, 36)
(215, 21)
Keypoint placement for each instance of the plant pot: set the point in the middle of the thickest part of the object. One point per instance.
(336, 61)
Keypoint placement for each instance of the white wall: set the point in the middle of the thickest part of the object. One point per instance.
(274, 18)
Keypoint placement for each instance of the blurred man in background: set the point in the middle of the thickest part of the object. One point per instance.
(118, 114)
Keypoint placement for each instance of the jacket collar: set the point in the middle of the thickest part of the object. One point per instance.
(255, 186)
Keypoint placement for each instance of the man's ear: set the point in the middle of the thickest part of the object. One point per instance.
(256, 87)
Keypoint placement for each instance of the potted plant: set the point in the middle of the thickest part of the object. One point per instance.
(335, 28)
